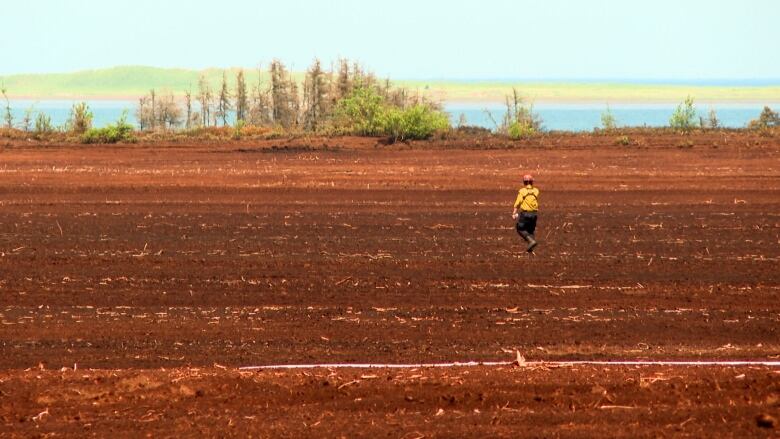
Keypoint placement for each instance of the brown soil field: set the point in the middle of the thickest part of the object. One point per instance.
(135, 280)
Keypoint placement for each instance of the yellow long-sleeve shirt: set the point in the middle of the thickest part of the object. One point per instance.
(527, 199)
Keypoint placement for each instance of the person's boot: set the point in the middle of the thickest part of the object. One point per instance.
(525, 235)
(531, 243)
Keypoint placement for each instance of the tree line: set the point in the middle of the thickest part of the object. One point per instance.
(280, 101)
(344, 99)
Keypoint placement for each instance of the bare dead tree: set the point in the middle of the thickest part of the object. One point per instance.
(153, 119)
(8, 117)
(397, 97)
(28, 118)
(357, 76)
(205, 98)
(343, 80)
(361, 78)
(242, 99)
(168, 113)
(223, 101)
(712, 119)
(188, 105)
(315, 97)
(139, 113)
(260, 108)
(295, 106)
(158, 112)
(284, 96)
(278, 91)
(144, 114)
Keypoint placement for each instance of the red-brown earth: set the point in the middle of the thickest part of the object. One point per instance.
(157, 271)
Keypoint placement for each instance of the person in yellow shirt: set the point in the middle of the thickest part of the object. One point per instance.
(528, 204)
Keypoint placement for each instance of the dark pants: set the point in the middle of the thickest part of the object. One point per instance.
(526, 224)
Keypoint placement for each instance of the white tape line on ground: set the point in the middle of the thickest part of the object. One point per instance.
(509, 363)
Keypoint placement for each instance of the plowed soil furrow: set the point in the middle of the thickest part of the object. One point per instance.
(144, 258)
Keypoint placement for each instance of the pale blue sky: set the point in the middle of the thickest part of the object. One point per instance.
(476, 39)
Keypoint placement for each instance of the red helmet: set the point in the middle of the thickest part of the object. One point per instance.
(528, 179)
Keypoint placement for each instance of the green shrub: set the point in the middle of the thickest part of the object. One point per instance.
(80, 120)
(684, 117)
(121, 131)
(417, 122)
(43, 124)
(240, 124)
(608, 121)
(362, 112)
(520, 120)
(518, 130)
(767, 119)
(365, 112)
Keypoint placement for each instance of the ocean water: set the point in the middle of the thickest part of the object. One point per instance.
(565, 117)
(104, 112)
(586, 117)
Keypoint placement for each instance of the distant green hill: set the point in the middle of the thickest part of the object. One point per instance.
(116, 82)
(134, 81)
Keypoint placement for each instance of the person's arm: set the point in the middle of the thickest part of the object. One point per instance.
(518, 201)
